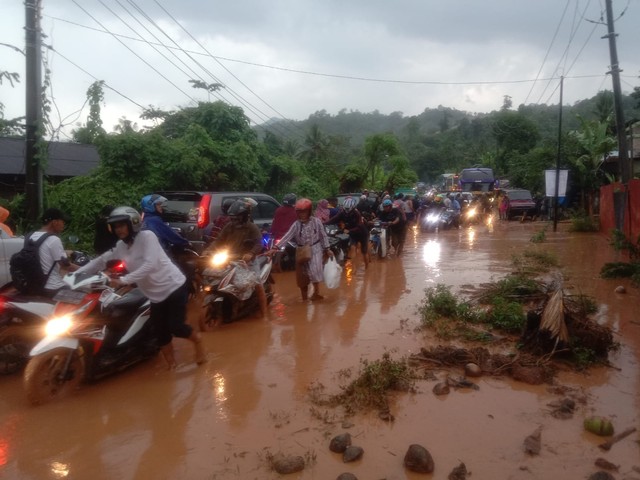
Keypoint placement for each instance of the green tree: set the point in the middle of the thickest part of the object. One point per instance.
(93, 130)
(594, 143)
(377, 150)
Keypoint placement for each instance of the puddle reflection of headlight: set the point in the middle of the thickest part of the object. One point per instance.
(431, 253)
(59, 470)
(471, 236)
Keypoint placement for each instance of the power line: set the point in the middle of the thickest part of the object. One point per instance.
(546, 55)
(131, 50)
(339, 76)
(245, 103)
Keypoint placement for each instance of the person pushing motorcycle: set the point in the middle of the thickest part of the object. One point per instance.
(242, 237)
(156, 276)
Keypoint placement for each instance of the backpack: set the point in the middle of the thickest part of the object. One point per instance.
(26, 273)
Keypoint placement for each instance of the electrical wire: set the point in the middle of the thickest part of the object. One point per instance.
(546, 55)
(131, 50)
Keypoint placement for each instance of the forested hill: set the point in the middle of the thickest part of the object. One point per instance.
(357, 125)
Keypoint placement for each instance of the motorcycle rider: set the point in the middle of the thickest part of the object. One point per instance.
(284, 216)
(243, 237)
(156, 276)
(354, 226)
(153, 207)
(392, 219)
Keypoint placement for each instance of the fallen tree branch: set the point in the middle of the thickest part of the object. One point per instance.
(616, 438)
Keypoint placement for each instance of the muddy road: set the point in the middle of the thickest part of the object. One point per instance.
(222, 420)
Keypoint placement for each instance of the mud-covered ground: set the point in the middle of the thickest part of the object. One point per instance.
(225, 419)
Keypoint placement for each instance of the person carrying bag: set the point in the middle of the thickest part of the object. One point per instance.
(313, 250)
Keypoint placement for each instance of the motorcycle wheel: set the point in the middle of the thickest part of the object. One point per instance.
(15, 344)
(42, 380)
(374, 249)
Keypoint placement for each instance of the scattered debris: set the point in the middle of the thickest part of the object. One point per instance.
(605, 464)
(441, 388)
(472, 370)
(616, 438)
(601, 475)
(620, 289)
(339, 443)
(533, 443)
(418, 459)
(346, 476)
(459, 472)
(461, 382)
(287, 464)
(352, 453)
(563, 409)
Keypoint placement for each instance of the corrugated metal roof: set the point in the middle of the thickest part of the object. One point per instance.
(65, 159)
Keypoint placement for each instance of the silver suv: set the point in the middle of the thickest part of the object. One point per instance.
(191, 213)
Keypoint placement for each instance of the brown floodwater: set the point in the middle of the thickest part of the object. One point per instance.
(223, 420)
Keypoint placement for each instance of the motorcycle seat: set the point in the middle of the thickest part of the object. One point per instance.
(127, 304)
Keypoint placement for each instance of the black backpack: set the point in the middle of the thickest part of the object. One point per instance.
(26, 273)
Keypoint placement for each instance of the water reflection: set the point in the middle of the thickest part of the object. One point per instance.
(431, 252)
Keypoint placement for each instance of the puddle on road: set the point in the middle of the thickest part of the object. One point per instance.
(219, 421)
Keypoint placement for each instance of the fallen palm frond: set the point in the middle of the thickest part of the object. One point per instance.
(553, 319)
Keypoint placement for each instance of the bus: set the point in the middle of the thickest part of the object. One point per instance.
(449, 182)
(477, 179)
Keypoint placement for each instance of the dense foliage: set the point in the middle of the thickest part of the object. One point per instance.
(212, 146)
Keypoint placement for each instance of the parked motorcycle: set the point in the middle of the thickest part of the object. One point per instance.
(378, 240)
(22, 318)
(94, 331)
(229, 287)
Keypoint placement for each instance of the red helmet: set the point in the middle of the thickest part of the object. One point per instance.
(303, 204)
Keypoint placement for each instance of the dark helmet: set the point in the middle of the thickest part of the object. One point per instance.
(126, 214)
(289, 199)
(241, 209)
(226, 204)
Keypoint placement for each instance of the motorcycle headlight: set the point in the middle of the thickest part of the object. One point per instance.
(219, 259)
(58, 326)
(471, 212)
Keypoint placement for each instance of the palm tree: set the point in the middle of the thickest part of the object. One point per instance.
(596, 144)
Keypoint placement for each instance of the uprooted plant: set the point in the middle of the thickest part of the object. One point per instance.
(550, 321)
(371, 387)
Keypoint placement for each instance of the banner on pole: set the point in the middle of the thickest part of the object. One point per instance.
(550, 183)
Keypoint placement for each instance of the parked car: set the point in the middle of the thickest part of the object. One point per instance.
(191, 213)
(520, 203)
(8, 246)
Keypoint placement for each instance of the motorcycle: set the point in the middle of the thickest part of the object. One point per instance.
(94, 331)
(229, 287)
(435, 220)
(378, 240)
(21, 320)
(339, 242)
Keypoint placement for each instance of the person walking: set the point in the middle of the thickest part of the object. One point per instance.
(309, 231)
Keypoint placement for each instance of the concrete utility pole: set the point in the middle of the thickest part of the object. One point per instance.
(623, 151)
(33, 111)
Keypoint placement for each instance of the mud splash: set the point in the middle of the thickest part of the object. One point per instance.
(220, 421)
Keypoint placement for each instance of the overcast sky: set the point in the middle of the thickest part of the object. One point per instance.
(291, 58)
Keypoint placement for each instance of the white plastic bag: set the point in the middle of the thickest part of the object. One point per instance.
(332, 272)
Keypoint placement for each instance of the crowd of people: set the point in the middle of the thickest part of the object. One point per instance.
(145, 242)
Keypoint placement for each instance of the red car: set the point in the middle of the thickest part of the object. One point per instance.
(520, 203)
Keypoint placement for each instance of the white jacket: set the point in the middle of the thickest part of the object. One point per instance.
(148, 265)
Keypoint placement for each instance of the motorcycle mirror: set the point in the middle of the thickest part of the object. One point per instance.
(73, 239)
